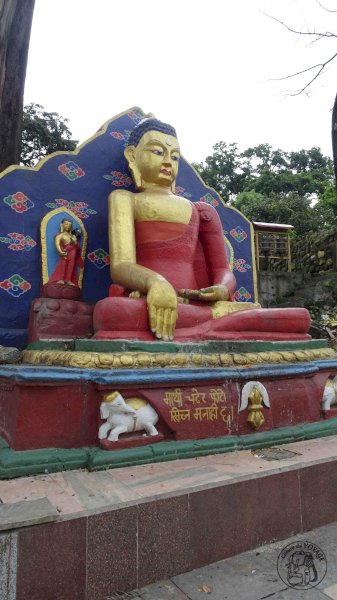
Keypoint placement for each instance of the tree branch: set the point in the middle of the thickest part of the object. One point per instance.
(327, 34)
(320, 67)
(325, 8)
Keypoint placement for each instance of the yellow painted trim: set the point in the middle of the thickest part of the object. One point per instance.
(101, 131)
(257, 243)
(222, 307)
(141, 360)
(231, 258)
(43, 230)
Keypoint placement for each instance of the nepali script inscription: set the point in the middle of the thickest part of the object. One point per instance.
(195, 405)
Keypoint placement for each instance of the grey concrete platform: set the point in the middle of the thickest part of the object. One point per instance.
(249, 576)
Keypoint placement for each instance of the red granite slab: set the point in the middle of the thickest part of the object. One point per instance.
(111, 553)
(52, 561)
(233, 518)
(318, 487)
(163, 539)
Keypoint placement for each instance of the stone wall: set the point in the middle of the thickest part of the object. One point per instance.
(297, 289)
(315, 252)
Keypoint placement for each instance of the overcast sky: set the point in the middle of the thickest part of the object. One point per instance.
(206, 67)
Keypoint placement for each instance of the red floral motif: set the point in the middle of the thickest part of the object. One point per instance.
(19, 197)
(15, 285)
(18, 202)
(71, 170)
(81, 209)
(209, 199)
(242, 295)
(99, 257)
(18, 241)
(20, 208)
(117, 135)
(118, 179)
(238, 234)
(241, 265)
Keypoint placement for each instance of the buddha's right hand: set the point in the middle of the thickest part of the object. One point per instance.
(162, 308)
(213, 293)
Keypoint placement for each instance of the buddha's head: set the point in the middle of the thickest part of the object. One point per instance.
(153, 154)
(66, 225)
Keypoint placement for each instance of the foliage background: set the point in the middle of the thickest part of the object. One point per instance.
(274, 186)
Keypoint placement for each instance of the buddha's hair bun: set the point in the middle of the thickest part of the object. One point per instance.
(150, 124)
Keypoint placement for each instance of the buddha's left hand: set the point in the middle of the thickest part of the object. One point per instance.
(213, 293)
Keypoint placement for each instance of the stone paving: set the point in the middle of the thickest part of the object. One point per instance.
(249, 576)
(74, 492)
(59, 531)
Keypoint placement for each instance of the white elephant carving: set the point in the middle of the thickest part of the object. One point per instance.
(121, 417)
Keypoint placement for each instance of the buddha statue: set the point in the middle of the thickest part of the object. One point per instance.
(69, 251)
(169, 265)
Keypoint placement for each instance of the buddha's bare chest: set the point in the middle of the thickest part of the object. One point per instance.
(162, 208)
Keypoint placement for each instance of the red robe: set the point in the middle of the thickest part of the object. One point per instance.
(192, 256)
(66, 267)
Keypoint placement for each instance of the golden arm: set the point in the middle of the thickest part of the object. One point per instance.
(161, 297)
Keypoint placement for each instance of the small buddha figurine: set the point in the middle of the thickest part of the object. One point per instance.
(69, 250)
(168, 259)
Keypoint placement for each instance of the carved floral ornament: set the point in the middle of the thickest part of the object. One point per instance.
(140, 360)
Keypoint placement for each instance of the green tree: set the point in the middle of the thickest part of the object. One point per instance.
(303, 172)
(290, 208)
(273, 185)
(265, 170)
(224, 170)
(43, 133)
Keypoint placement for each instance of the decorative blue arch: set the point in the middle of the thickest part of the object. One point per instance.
(81, 181)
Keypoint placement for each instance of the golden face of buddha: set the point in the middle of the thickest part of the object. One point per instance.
(155, 160)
